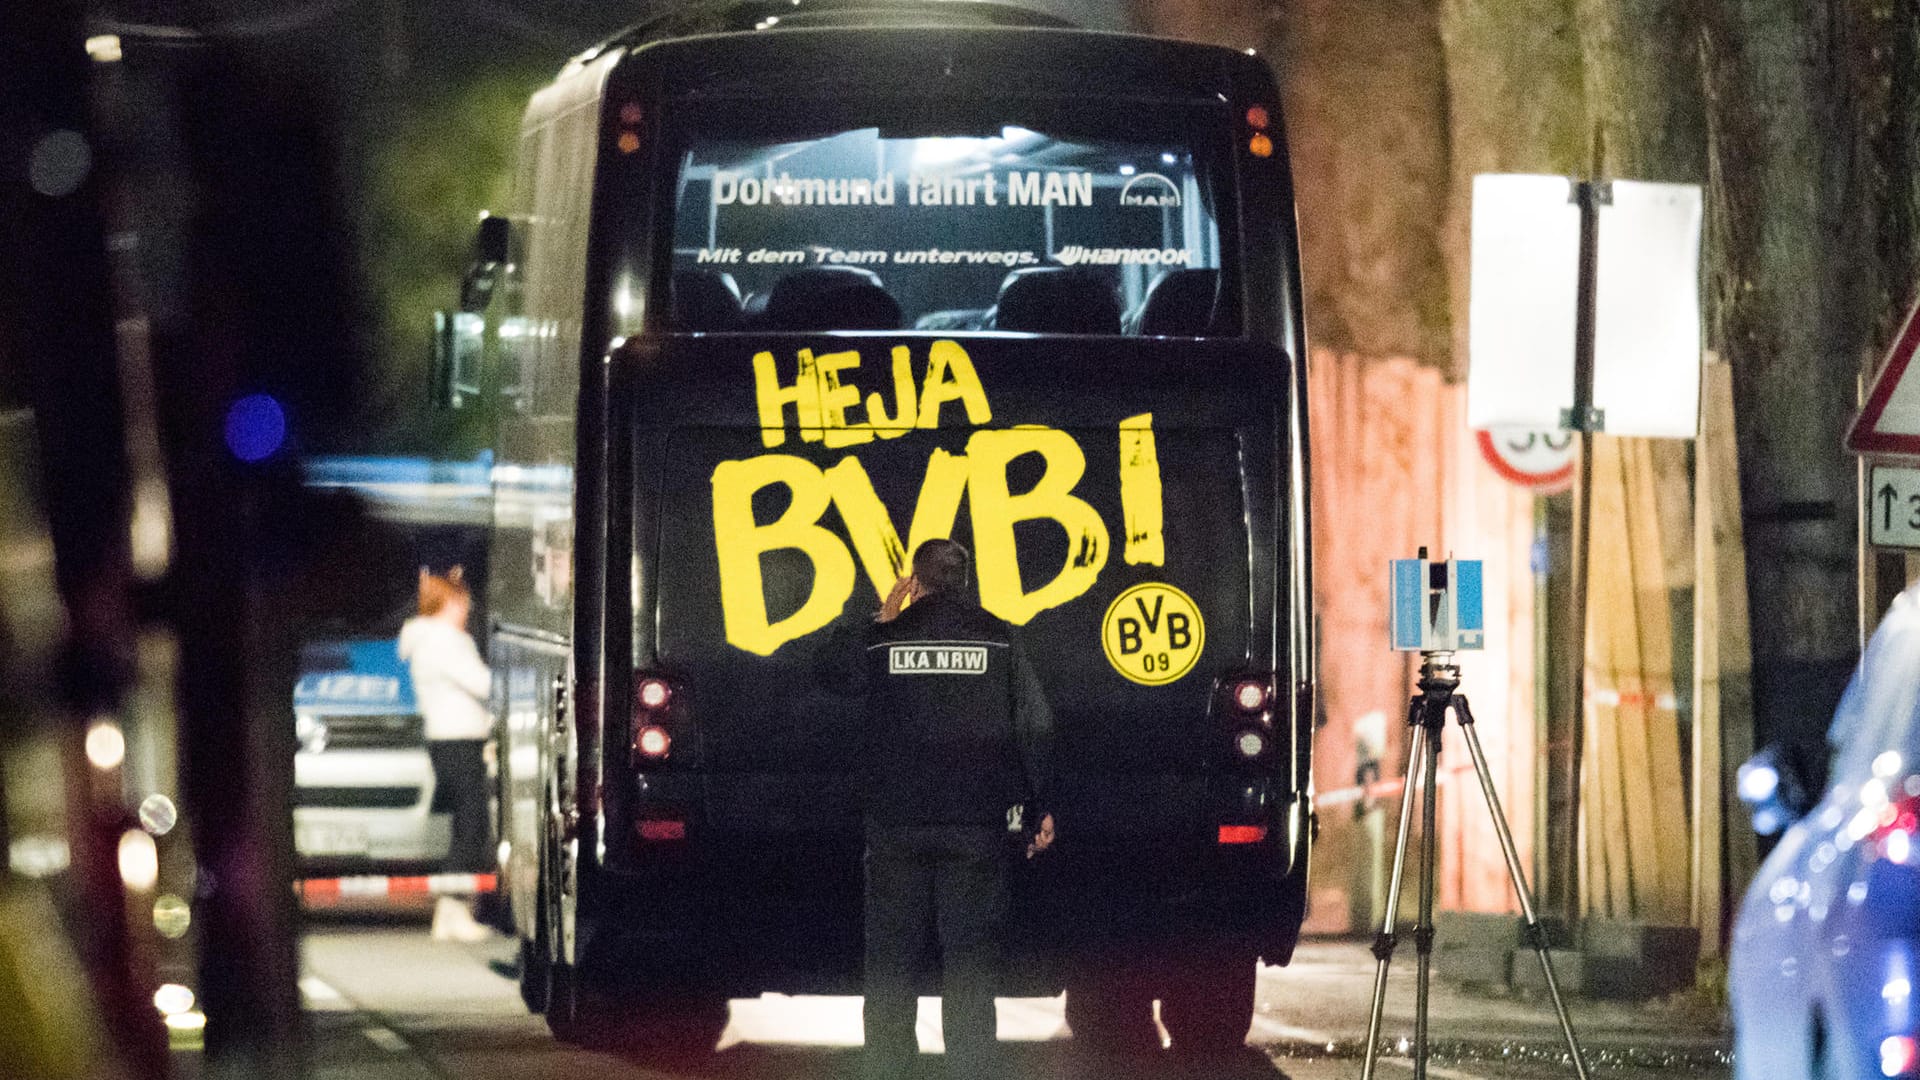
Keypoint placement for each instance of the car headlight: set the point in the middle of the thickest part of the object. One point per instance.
(311, 732)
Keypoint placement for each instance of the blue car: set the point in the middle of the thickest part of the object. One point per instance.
(1822, 967)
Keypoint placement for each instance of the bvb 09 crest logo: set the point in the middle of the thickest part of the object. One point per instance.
(1153, 633)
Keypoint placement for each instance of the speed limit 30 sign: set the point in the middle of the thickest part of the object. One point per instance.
(1539, 460)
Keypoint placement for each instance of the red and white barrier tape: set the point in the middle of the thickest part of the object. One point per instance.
(1380, 790)
(381, 885)
(1345, 795)
(1601, 695)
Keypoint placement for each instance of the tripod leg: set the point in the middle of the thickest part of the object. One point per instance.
(1383, 945)
(1423, 930)
(1535, 933)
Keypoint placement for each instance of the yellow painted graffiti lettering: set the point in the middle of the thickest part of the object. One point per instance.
(951, 377)
(774, 397)
(740, 542)
(1140, 496)
(836, 399)
(870, 527)
(906, 407)
(996, 510)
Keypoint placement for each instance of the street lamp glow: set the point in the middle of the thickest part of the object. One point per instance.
(139, 860)
(172, 998)
(106, 745)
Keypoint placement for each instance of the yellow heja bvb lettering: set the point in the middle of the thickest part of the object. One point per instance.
(892, 427)
(820, 400)
(773, 398)
(870, 527)
(1140, 501)
(995, 510)
(946, 358)
(835, 400)
(740, 541)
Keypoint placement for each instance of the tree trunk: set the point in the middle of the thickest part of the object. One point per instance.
(1783, 298)
(1364, 93)
(1516, 103)
(1642, 75)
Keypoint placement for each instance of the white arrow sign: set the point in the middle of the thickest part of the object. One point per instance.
(1893, 508)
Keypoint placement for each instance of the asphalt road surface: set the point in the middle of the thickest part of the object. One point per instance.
(387, 1003)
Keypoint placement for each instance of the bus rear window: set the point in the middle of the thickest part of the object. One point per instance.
(1009, 230)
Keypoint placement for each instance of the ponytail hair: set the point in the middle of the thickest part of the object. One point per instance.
(437, 592)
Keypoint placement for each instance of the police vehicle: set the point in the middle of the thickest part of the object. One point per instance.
(363, 785)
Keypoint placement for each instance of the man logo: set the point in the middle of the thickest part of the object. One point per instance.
(1150, 189)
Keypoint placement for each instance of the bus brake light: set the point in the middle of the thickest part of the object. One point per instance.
(1242, 834)
(662, 830)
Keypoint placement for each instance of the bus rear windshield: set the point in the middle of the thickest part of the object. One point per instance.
(1004, 226)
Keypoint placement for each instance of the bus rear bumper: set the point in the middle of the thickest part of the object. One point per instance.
(781, 911)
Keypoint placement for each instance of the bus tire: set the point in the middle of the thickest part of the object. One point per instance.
(1207, 1004)
(567, 1014)
(1110, 1012)
(534, 975)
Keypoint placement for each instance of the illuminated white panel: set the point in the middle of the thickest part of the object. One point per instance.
(1646, 359)
(1521, 308)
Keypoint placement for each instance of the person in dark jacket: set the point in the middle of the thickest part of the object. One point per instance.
(958, 754)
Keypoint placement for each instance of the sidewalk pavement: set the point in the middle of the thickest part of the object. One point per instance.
(1324, 995)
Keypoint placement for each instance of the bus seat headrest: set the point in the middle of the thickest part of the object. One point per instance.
(1180, 303)
(1057, 300)
(705, 300)
(830, 298)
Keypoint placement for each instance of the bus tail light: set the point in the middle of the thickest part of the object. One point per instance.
(652, 701)
(1242, 834)
(1259, 144)
(1250, 744)
(653, 694)
(1250, 696)
(653, 742)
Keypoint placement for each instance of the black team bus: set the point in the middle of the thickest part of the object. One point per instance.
(791, 287)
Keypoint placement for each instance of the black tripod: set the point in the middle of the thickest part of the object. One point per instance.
(1427, 715)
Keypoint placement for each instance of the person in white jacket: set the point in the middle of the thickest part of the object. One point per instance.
(451, 683)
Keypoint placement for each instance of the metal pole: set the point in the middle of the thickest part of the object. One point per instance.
(1384, 944)
(1583, 419)
(1535, 932)
(1543, 870)
(1433, 715)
